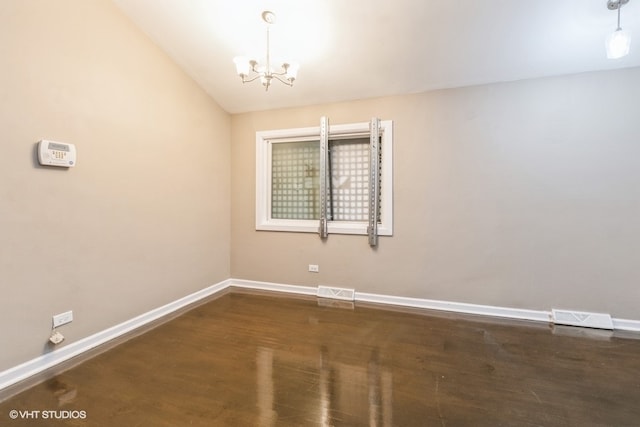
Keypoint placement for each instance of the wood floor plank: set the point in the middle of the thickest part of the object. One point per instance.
(258, 359)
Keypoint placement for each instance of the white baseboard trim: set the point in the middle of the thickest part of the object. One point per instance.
(457, 307)
(276, 287)
(511, 313)
(626, 325)
(39, 364)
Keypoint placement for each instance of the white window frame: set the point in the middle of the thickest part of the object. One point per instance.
(264, 141)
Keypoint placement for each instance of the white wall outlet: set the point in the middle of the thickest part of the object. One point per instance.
(62, 318)
(314, 268)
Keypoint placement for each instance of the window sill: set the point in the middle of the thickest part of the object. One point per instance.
(311, 226)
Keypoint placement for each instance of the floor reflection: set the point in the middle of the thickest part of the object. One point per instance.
(340, 394)
(64, 392)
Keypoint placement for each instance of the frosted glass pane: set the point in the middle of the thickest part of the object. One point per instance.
(349, 180)
(295, 185)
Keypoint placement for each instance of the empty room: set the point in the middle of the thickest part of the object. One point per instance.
(320, 213)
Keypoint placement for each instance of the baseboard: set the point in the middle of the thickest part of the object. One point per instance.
(626, 325)
(39, 364)
(456, 307)
(275, 287)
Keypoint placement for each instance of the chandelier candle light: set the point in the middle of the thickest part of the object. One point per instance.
(249, 69)
(619, 41)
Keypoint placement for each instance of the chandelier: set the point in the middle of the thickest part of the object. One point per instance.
(250, 70)
(618, 42)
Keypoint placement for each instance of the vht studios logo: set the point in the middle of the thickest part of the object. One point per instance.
(47, 415)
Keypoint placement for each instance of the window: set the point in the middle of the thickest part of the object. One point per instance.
(289, 177)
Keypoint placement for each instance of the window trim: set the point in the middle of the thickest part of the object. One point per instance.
(264, 222)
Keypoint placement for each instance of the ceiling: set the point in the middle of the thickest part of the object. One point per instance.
(360, 49)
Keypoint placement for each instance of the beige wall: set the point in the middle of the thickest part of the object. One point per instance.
(522, 194)
(144, 218)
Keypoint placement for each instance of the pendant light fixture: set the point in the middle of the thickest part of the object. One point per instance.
(619, 41)
(250, 70)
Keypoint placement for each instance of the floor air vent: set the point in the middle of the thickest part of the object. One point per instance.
(336, 293)
(581, 318)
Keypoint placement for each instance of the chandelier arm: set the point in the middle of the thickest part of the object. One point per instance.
(287, 82)
(256, 77)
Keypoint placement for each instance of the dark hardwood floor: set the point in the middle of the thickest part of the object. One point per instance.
(257, 359)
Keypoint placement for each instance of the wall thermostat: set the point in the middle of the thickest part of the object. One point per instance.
(52, 153)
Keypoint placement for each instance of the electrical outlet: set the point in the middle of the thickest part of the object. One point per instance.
(314, 268)
(62, 318)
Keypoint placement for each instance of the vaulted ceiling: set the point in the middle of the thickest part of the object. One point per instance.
(355, 49)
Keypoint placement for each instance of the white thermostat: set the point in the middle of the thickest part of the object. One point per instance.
(52, 153)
